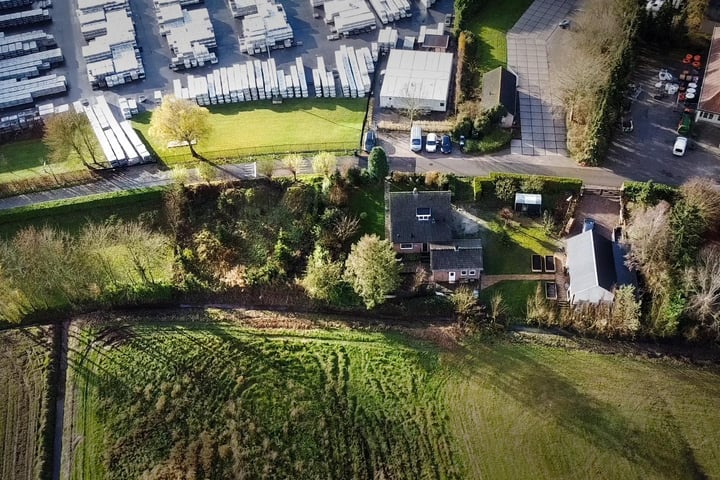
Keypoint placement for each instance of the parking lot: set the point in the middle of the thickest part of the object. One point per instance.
(646, 153)
(310, 35)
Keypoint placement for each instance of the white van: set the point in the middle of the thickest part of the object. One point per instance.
(679, 147)
(415, 138)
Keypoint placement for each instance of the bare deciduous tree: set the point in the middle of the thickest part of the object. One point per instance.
(703, 284)
(324, 163)
(181, 120)
(70, 132)
(704, 194)
(649, 235)
(293, 162)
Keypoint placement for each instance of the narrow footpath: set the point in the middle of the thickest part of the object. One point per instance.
(60, 400)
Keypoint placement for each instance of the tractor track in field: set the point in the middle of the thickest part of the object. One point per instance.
(62, 350)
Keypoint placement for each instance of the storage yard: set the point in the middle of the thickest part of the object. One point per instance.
(223, 51)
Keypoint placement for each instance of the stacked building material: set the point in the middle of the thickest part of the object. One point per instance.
(353, 72)
(19, 121)
(253, 80)
(15, 93)
(5, 4)
(191, 41)
(28, 66)
(242, 8)
(387, 39)
(111, 55)
(391, 10)
(24, 43)
(266, 29)
(120, 144)
(349, 16)
(25, 17)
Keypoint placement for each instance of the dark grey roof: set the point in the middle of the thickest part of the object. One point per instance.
(499, 87)
(624, 275)
(591, 267)
(465, 253)
(406, 228)
(436, 41)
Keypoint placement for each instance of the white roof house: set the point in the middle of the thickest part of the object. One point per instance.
(417, 78)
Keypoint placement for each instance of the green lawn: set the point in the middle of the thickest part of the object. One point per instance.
(368, 203)
(490, 25)
(24, 159)
(508, 249)
(514, 294)
(152, 400)
(256, 128)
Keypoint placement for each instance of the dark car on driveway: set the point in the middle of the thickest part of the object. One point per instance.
(370, 140)
(446, 144)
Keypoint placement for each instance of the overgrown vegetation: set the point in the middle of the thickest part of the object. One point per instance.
(594, 82)
(26, 368)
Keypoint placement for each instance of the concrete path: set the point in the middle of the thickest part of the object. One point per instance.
(490, 280)
(542, 119)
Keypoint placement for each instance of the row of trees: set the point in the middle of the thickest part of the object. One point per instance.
(46, 268)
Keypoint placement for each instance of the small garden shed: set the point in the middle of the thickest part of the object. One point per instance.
(528, 203)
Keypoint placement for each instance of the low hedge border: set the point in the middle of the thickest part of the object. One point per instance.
(80, 204)
(485, 186)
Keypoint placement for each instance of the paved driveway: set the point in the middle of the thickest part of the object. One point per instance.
(541, 117)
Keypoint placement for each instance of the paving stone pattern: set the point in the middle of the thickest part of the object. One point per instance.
(541, 116)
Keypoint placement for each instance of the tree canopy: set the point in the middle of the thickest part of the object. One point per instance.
(378, 166)
(70, 132)
(372, 269)
(181, 120)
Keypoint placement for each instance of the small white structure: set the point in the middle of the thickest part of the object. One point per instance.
(417, 79)
(528, 203)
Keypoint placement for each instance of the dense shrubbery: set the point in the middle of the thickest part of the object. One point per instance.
(46, 182)
(465, 80)
(648, 193)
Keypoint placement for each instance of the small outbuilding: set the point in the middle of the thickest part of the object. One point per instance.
(417, 79)
(528, 203)
(499, 88)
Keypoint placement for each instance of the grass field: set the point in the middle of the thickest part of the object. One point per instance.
(490, 25)
(199, 400)
(24, 159)
(25, 366)
(368, 203)
(257, 128)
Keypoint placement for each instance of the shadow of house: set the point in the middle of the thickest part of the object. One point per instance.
(596, 267)
(499, 87)
(421, 223)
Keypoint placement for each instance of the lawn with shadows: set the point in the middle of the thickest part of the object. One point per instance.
(508, 248)
(368, 203)
(26, 158)
(259, 128)
(157, 397)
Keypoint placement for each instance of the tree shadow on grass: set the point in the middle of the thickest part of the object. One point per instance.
(548, 394)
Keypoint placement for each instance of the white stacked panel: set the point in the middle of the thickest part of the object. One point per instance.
(15, 93)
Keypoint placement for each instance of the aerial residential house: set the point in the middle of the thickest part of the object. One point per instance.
(420, 222)
(499, 88)
(708, 108)
(596, 266)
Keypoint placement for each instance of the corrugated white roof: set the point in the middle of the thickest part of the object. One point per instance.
(528, 198)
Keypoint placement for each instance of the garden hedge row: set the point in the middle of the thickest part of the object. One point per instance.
(484, 186)
(653, 192)
(74, 205)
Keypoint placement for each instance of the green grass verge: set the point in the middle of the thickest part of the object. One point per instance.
(25, 423)
(514, 294)
(72, 213)
(491, 24)
(368, 203)
(258, 128)
(24, 159)
(220, 400)
(508, 249)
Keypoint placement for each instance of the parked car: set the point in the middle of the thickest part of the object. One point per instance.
(588, 224)
(431, 143)
(415, 138)
(681, 144)
(370, 140)
(627, 125)
(446, 144)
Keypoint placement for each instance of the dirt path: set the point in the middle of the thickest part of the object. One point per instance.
(60, 400)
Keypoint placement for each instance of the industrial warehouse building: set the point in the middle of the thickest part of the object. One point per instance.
(416, 79)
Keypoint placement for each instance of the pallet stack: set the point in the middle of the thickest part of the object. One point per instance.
(111, 56)
(391, 10)
(349, 17)
(266, 29)
(26, 17)
(24, 43)
(14, 93)
(387, 39)
(29, 66)
(189, 33)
